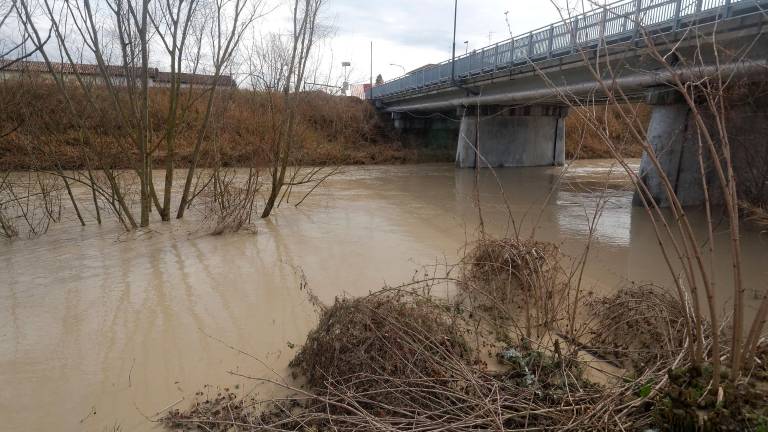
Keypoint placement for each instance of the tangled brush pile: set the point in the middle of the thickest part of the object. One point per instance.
(389, 333)
(639, 326)
(512, 278)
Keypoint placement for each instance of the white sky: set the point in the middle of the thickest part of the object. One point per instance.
(413, 33)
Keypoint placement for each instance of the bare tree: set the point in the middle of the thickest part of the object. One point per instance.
(117, 35)
(173, 21)
(303, 38)
(225, 37)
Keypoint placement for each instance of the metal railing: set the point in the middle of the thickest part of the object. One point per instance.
(615, 23)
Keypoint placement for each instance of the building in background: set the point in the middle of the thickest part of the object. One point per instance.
(119, 75)
(360, 90)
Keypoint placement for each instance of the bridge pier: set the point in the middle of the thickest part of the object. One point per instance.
(674, 136)
(498, 136)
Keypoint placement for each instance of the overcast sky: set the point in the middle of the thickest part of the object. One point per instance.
(409, 33)
(412, 33)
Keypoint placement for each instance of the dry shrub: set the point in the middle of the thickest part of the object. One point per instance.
(639, 327)
(757, 215)
(396, 361)
(761, 361)
(387, 334)
(227, 201)
(509, 276)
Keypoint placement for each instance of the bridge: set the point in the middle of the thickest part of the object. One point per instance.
(509, 96)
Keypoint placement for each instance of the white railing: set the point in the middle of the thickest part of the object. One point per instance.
(615, 23)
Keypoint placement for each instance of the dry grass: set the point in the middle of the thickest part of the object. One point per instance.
(388, 333)
(755, 214)
(331, 130)
(586, 143)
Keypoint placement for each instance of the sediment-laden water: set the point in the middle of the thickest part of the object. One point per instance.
(99, 328)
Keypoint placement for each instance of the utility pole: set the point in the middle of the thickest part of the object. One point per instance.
(345, 85)
(371, 64)
(453, 56)
(371, 82)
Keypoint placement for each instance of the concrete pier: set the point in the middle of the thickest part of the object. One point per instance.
(674, 136)
(671, 135)
(512, 137)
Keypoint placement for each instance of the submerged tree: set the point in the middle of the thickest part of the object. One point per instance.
(117, 36)
(304, 35)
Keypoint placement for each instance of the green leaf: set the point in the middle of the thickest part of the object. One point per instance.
(645, 390)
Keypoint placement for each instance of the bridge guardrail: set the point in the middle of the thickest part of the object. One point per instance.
(618, 22)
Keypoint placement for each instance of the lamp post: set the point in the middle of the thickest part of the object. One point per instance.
(453, 55)
(509, 27)
(400, 66)
(345, 85)
(466, 47)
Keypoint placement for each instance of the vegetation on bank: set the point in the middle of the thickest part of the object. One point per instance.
(331, 130)
(584, 142)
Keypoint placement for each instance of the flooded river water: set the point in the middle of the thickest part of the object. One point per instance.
(99, 328)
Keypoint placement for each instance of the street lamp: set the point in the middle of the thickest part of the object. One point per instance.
(400, 66)
(453, 56)
(466, 47)
(345, 85)
(509, 27)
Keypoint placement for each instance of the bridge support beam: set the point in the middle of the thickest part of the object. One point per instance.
(674, 136)
(512, 137)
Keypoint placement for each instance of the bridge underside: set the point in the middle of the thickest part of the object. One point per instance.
(515, 118)
(534, 135)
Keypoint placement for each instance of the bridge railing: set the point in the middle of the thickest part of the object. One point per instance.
(619, 22)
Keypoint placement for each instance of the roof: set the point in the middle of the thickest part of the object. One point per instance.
(196, 79)
(70, 68)
(115, 71)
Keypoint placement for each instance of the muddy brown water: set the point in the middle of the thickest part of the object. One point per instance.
(99, 328)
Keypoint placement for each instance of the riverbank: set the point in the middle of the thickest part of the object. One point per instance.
(331, 130)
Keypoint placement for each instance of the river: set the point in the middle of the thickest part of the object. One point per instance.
(99, 328)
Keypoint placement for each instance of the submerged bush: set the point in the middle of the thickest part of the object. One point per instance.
(385, 334)
(639, 326)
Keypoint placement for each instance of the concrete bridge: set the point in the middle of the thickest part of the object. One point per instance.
(508, 97)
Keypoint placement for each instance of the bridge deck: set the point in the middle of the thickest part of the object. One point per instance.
(621, 22)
